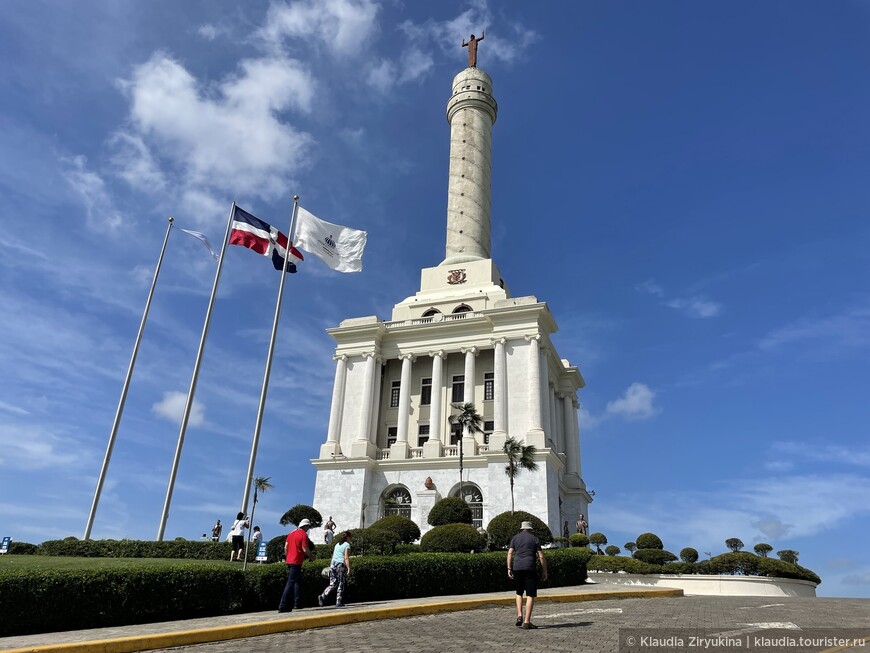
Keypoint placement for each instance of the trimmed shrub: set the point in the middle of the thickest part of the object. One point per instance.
(740, 563)
(616, 563)
(649, 541)
(373, 541)
(275, 549)
(189, 549)
(299, 512)
(762, 549)
(453, 538)
(504, 526)
(450, 510)
(406, 529)
(612, 550)
(598, 539)
(788, 555)
(689, 555)
(780, 569)
(734, 543)
(631, 547)
(22, 548)
(679, 568)
(578, 539)
(654, 556)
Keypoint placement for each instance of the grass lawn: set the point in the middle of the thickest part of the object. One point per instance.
(36, 562)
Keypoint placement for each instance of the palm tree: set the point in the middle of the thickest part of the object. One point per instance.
(470, 421)
(520, 457)
(261, 484)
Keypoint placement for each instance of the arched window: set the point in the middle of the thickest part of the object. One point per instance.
(462, 308)
(397, 501)
(474, 498)
(432, 312)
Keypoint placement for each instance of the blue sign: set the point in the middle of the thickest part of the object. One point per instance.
(261, 552)
(4, 545)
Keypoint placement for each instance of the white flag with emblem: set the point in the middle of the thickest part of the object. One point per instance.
(341, 248)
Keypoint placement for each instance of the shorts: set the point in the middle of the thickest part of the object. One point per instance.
(238, 542)
(526, 580)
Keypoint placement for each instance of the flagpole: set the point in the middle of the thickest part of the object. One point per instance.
(190, 393)
(120, 410)
(260, 409)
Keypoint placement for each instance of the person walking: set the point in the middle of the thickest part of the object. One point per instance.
(524, 551)
(237, 536)
(339, 570)
(296, 551)
(216, 531)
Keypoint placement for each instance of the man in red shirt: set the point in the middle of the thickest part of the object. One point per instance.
(295, 552)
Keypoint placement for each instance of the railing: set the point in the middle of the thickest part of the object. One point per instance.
(451, 450)
(450, 317)
(416, 452)
(482, 448)
(383, 454)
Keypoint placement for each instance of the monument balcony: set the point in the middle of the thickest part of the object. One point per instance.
(450, 317)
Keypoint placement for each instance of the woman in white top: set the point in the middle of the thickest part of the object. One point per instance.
(339, 570)
(237, 535)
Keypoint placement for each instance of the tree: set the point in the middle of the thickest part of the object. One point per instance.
(631, 547)
(450, 510)
(612, 550)
(734, 543)
(598, 539)
(762, 549)
(520, 457)
(261, 484)
(788, 555)
(689, 555)
(469, 421)
(299, 512)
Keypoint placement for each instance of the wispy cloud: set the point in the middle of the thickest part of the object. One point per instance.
(635, 404)
(340, 27)
(826, 453)
(696, 306)
(91, 190)
(850, 329)
(171, 407)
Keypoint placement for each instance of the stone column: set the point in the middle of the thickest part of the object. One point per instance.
(362, 445)
(332, 446)
(576, 437)
(551, 408)
(535, 435)
(400, 449)
(571, 442)
(544, 384)
(432, 448)
(499, 402)
(469, 443)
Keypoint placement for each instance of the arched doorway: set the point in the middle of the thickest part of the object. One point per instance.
(474, 498)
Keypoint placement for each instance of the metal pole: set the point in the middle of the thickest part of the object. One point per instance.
(250, 530)
(192, 390)
(265, 388)
(117, 421)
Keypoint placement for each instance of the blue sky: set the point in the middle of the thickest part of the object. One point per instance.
(684, 183)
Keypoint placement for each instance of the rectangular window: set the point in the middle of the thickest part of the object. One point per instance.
(392, 434)
(458, 389)
(425, 392)
(488, 386)
(394, 393)
(454, 434)
(422, 435)
(488, 428)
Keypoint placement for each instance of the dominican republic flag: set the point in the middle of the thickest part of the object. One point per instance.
(263, 238)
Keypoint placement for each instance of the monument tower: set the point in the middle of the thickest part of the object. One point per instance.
(462, 338)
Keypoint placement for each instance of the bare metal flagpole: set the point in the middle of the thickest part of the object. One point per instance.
(120, 410)
(265, 388)
(190, 393)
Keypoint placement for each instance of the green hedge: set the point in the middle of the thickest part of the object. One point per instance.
(189, 549)
(654, 556)
(22, 548)
(406, 529)
(620, 563)
(649, 541)
(578, 539)
(504, 526)
(453, 538)
(450, 510)
(33, 601)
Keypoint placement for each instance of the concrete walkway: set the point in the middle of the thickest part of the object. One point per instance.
(166, 634)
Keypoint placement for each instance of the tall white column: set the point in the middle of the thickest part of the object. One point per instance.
(468, 394)
(400, 448)
(432, 449)
(499, 399)
(551, 408)
(535, 436)
(571, 439)
(362, 445)
(545, 398)
(576, 436)
(331, 446)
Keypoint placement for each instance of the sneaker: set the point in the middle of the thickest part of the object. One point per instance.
(285, 610)
(339, 605)
(519, 622)
(320, 600)
(529, 626)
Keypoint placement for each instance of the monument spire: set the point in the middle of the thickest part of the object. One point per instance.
(471, 112)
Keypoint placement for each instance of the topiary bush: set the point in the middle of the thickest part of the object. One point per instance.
(631, 547)
(788, 555)
(453, 538)
(679, 568)
(734, 543)
(649, 541)
(578, 539)
(275, 549)
(654, 556)
(598, 539)
(762, 549)
(22, 548)
(612, 550)
(189, 549)
(406, 529)
(689, 555)
(616, 564)
(503, 527)
(450, 510)
(299, 512)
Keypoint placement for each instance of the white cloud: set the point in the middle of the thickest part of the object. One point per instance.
(382, 76)
(30, 447)
(635, 404)
(229, 138)
(343, 27)
(91, 189)
(772, 528)
(850, 328)
(651, 287)
(696, 306)
(828, 453)
(134, 162)
(210, 32)
(171, 407)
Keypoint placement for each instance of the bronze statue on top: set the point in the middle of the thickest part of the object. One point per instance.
(472, 49)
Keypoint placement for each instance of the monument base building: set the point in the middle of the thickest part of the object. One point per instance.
(390, 447)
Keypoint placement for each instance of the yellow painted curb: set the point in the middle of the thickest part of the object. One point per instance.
(338, 618)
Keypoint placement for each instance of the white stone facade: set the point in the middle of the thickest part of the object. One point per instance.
(462, 338)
